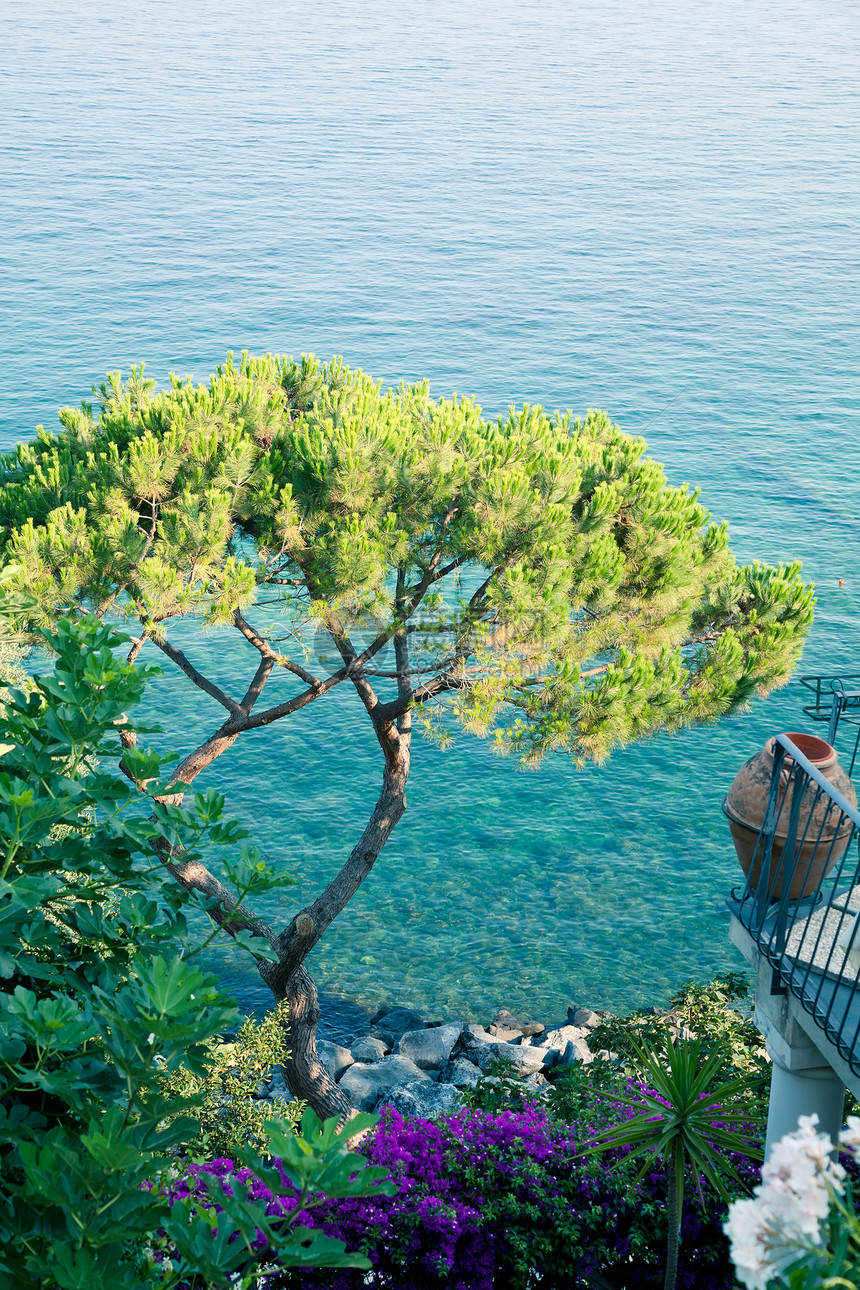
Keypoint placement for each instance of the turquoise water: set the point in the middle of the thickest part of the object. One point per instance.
(649, 208)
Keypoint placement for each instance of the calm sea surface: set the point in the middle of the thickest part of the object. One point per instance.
(651, 208)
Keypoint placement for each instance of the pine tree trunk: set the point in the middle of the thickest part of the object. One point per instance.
(287, 978)
(304, 1073)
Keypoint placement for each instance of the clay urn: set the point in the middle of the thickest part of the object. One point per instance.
(822, 826)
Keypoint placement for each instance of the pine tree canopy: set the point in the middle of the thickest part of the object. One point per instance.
(534, 578)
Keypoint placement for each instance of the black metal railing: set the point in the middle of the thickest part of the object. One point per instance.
(836, 700)
(801, 899)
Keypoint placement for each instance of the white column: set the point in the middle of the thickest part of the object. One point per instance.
(809, 1090)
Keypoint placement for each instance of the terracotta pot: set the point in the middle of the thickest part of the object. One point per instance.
(746, 802)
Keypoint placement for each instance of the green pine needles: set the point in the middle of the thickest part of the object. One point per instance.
(534, 580)
(551, 585)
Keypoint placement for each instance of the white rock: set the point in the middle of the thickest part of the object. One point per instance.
(561, 1036)
(429, 1049)
(523, 1060)
(366, 1085)
(505, 1034)
(335, 1058)
(583, 1017)
(475, 1036)
(576, 1050)
(425, 1098)
(462, 1074)
(367, 1050)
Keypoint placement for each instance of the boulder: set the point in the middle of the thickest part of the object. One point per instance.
(366, 1085)
(538, 1082)
(560, 1036)
(429, 1049)
(333, 1057)
(583, 1017)
(505, 1034)
(461, 1073)
(474, 1036)
(388, 1037)
(576, 1051)
(398, 1020)
(505, 1020)
(523, 1060)
(368, 1050)
(278, 1086)
(425, 1098)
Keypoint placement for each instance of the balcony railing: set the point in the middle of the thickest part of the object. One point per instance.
(836, 700)
(801, 900)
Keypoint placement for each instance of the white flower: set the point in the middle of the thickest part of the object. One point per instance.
(850, 1137)
(746, 1230)
(790, 1204)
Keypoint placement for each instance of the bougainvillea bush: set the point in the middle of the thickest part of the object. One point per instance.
(497, 1201)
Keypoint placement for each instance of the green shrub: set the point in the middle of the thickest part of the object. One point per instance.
(717, 1013)
(97, 980)
(228, 1113)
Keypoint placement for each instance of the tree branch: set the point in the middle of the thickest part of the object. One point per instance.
(185, 665)
(260, 643)
(409, 671)
(401, 664)
(440, 685)
(296, 942)
(449, 568)
(255, 689)
(285, 709)
(229, 915)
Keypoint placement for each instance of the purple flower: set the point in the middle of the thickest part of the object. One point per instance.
(484, 1199)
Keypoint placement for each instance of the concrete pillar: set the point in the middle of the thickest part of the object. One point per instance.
(810, 1090)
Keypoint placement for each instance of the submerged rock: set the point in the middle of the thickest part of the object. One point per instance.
(397, 1021)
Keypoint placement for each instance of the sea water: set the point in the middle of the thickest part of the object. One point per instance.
(650, 208)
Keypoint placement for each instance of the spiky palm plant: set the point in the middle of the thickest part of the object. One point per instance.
(684, 1117)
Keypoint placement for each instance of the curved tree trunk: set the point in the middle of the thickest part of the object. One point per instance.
(305, 1074)
(289, 979)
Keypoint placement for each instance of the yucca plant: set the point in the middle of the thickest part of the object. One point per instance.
(683, 1117)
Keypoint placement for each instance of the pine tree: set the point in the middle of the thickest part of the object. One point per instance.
(534, 580)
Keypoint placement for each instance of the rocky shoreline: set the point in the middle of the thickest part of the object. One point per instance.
(420, 1067)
